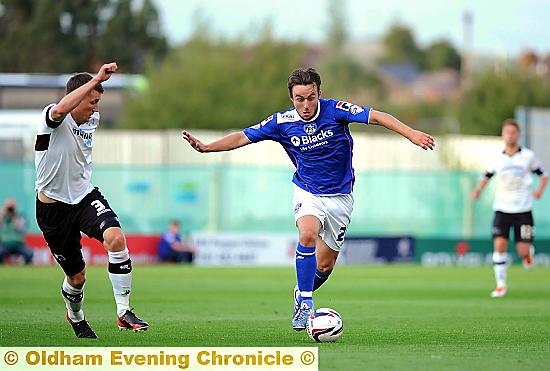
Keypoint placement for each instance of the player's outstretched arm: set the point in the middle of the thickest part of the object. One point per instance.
(542, 185)
(73, 99)
(227, 143)
(417, 137)
(479, 188)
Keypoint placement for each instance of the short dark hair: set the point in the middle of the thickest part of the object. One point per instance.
(79, 79)
(511, 122)
(304, 76)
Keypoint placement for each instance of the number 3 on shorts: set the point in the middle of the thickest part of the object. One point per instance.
(341, 235)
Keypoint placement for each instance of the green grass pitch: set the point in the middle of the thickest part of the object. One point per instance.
(395, 317)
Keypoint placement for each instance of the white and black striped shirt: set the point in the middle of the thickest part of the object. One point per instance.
(514, 193)
(63, 157)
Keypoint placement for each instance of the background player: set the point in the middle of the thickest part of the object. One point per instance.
(67, 203)
(513, 201)
(315, 135)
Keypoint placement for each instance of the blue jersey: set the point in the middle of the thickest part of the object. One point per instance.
(321, 148)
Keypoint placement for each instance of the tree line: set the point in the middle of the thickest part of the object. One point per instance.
(64, 36)
(211, 82)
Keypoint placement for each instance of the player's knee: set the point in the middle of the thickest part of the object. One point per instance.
(325, 267)
(501, 247)
(115, 240)
(78, 280)
(500, 243)
(308, 237)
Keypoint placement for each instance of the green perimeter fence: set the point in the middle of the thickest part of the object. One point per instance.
(422, 204)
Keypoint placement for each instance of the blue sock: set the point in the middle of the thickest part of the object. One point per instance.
(320, 278)
(306, 264)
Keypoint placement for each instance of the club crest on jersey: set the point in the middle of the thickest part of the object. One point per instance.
(310, 128)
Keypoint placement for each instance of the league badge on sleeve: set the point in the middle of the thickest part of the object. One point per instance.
(349, 107)
(355, 109)
(344, 106)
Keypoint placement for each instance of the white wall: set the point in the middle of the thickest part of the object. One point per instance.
(371, 151)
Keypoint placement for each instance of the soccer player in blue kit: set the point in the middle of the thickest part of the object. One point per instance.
(315, 135)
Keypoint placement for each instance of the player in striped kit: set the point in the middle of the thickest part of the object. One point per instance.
(315, 135)
(67, 203)
(513, 202)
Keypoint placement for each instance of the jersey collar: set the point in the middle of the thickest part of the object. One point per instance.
(511, 154)
(316, 113)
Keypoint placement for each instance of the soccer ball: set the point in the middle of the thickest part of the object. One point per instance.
(325, 325)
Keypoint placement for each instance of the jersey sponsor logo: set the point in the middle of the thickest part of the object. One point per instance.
(310, 128)
(311, 139)
(84, 135)
(315, 145)
(265, 121)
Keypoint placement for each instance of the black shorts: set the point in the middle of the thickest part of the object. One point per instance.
(62, 223)
(524, 228)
